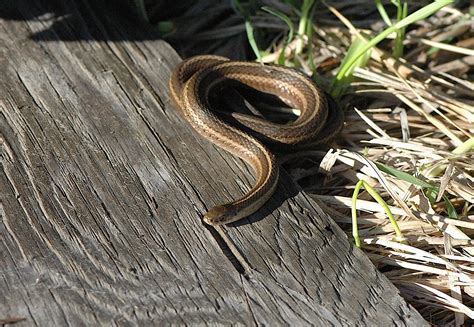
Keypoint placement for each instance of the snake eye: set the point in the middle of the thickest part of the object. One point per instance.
(218, 214)
(215, 215)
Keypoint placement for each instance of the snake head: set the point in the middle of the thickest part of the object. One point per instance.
(219, 215)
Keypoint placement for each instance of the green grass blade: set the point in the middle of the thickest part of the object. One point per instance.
(452, 213)
(251, 38)
(385, 207)
(430, 191)
(353, 50)
(404, 176)
(285, 18)
(378, 198)
(398, 48)
(291, 31)
(305, 13)
(309, 33)
(467, 146)
(355, 229)
(383, 12)
(417, 15)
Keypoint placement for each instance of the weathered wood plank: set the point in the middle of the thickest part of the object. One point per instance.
(102, 190)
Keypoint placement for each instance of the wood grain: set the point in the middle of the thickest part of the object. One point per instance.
(103, 186)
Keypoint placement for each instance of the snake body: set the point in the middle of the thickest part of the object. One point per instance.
(196, 78)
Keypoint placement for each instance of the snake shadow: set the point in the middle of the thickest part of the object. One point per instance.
(286, 189)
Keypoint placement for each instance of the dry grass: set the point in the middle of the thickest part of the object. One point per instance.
(414, 114)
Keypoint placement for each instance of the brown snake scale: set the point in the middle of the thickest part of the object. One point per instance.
(196, 78)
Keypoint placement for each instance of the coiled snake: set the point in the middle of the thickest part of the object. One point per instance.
(196, 78)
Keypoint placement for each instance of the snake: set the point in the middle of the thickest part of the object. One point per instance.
(196, 79)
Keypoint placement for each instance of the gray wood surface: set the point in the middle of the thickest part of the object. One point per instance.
(103, 186)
